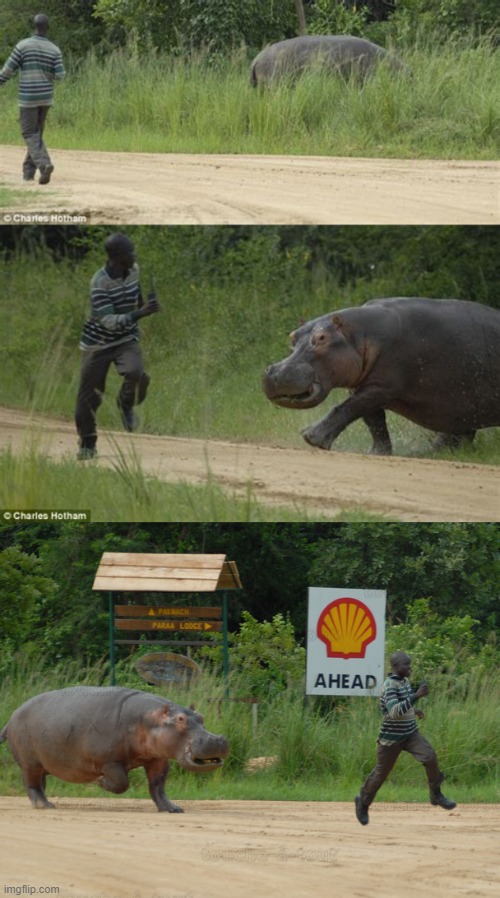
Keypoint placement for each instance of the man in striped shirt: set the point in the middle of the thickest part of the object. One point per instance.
(399, 733)
(39, 62)
(111, 336)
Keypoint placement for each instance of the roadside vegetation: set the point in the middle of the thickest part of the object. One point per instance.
(314, 749)
(137, 100)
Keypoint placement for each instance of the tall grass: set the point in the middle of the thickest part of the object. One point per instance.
(449, 108)
(315, 755)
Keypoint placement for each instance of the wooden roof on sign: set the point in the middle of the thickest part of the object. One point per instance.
(143, 572)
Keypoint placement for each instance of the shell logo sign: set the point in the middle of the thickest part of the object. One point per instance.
(345, 641)
(347, 627)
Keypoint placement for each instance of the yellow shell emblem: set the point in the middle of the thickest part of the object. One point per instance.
(346, 626)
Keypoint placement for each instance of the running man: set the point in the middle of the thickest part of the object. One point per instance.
(399, 733)
(111, 336)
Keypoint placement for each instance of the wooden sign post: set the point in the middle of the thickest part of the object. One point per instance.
(130, 572)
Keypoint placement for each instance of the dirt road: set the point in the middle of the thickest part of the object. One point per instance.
(153, 188)
(122, 848)
(405, 489)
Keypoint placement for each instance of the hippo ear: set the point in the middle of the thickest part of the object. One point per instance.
(192, 706)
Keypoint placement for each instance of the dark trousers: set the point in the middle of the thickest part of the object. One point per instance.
(127, 358)
(32, 120)
(387, 756)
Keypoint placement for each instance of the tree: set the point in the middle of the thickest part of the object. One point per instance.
(456, 565)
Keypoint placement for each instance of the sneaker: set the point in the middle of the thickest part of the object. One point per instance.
(128, 417)
(85, 453)
(437, 798)
(361, 810)
(29, 177)
(45, 173)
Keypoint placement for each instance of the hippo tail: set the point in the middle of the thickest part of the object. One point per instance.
(3, 734)
(253, 77)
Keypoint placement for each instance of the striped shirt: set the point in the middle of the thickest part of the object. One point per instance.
(111, 302)
(396, 703)
(40, 63)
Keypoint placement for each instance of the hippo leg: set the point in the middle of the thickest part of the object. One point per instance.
(34, 780)
(377, 426)
(367, 403)
(156, 772)
(114, 778)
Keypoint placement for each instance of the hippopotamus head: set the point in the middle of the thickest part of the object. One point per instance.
(180, 733)
(323, 355)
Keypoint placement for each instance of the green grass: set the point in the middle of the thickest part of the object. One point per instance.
(12, 198)
(320, 757)
(449, 108)
(30, 481)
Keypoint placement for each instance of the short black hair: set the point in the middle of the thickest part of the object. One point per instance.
(41, 22)
(117, 244)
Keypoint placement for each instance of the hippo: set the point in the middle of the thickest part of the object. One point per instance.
(433, 361)
(341, 54)
(87, 734)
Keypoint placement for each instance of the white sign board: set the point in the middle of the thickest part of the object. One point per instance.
(345, 641)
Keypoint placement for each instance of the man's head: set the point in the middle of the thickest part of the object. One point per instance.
(401, 664)
(121, 253)
(41, 23)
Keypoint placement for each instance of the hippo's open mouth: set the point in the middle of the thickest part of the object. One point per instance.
(193, 762)
(208, 762)
(310, 397)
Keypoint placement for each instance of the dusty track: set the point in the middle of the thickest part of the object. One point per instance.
(154, 188)
(401, 488)
(122, 848)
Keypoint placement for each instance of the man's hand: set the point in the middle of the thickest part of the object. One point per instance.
(149, 308)
(420, 714)
(422, 690)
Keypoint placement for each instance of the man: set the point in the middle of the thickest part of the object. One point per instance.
(400, 733)
(40, 64)
(111, 335)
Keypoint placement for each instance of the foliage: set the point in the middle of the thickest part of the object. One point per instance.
(72, 26)
(186, 25)
(265, 654)
(332, 17)
(456, 565)
(24, 588)
(433, 17)
(218, 26)
(444, 645)
(48, 571)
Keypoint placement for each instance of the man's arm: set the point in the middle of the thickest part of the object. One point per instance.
(11, 66)
(59, 72)
(104, 311)
(398, 707)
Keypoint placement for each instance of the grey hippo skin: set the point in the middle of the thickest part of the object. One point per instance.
(434, 361)
(88, 734)
(340, 54)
